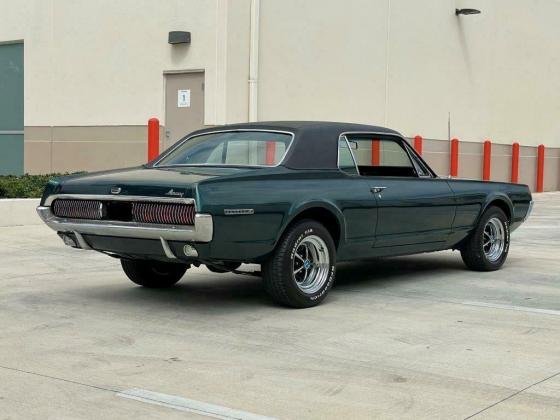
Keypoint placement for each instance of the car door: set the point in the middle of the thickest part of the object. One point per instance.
(415, 209)
(358, 206)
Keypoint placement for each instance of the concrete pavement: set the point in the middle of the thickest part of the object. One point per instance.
(19, 212)
(408, 337)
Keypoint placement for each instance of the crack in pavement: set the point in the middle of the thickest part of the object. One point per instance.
(70, 381)
(511, 396)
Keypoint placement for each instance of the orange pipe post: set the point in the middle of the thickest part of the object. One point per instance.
(153, 138)
(454, 166)
(515, 163)
(487, 159)
(418, 144)
(270, 152)
(375, 153)
(540, 168)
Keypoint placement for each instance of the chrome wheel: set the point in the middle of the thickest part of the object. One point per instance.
(493, 239)
(311, 264)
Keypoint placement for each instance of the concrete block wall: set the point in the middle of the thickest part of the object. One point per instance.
(471, 155)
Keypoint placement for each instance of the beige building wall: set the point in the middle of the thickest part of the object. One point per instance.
(94, 70)
(413, 65)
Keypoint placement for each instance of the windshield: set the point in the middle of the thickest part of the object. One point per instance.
(232, 148)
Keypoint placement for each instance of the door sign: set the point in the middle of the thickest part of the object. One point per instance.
(183, 98)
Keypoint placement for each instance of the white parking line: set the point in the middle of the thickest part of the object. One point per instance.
(513, 308)
(185, 404)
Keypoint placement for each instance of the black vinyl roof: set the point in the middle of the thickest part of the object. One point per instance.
(315, 144)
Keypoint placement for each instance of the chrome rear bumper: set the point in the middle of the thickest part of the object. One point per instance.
(201, 231)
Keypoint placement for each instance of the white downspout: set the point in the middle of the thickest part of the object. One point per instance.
(254, 61)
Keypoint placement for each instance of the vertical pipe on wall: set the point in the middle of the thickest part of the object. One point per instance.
(418, 144)
(454, 165)
(487, 158)
(515, 163)
(153, 138)
(375, 153)
(387, 44)
(540, 168)
(254, 61)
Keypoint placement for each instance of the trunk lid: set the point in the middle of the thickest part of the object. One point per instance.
(150, 182)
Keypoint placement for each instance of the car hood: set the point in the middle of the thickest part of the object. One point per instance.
(141, 181)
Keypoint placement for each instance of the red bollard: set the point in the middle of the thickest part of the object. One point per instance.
(270, 152)
(153, 138)
(515, 163)
(375, 153)
(418, 144)
(454, 167)
(487, 160)
(540, 168)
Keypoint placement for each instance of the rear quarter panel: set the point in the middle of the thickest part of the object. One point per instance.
(276, 199)
(474, 197)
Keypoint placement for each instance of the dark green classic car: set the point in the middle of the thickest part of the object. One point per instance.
(295, 197)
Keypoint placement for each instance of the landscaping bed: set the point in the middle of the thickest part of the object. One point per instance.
(25, 186)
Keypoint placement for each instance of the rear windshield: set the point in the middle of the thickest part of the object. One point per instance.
(233, 148)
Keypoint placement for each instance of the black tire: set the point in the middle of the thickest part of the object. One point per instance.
(473, 250)
(228, 266)
(153, 274)
(278, 277)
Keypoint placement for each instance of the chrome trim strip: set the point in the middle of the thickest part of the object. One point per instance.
(53, 197)
(201, 231)
(237, 212)
(184, 140)
(81, 241)
(167, 250)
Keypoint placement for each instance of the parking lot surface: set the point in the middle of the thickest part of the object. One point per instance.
(407, 337)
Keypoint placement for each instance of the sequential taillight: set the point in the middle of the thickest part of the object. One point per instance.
(163, 213)
(126, 211)
(78, 209)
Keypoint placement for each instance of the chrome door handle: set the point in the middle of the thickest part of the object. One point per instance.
(377, 190)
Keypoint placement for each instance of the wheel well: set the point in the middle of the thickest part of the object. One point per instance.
(502, 205)
(323, 216)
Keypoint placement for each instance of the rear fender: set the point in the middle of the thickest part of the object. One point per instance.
(298, 208)
(491, 200)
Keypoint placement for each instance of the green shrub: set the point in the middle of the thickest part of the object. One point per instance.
(26, 186)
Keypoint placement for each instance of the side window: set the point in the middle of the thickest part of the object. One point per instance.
(381, 156)
(345, 159)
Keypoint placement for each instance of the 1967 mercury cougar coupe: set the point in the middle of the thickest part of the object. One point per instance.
(295, 197)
